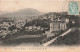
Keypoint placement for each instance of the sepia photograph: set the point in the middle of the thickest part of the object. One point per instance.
(39, 23)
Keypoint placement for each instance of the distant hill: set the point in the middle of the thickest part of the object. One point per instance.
(54, 15)
(24, 13)
(2, 12)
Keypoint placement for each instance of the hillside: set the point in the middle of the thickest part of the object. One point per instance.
(72, 38)
(24, 13)
(2, 12)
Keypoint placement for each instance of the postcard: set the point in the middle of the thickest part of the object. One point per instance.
(39, 26)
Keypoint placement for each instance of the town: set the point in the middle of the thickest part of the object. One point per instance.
(47, 26)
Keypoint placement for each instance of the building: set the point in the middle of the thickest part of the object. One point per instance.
(58, 25)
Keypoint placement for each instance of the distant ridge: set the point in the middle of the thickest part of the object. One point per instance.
(2, 12)
(24, 13)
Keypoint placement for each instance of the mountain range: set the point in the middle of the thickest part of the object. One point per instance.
(2, 12)
(24, 13)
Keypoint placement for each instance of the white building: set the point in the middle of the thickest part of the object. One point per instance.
(60, 24)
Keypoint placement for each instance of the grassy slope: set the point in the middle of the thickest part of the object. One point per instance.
(72, 38)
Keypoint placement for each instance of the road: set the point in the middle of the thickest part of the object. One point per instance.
(52, 40)
(73, 38)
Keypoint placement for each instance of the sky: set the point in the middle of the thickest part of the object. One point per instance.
(40, 5)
